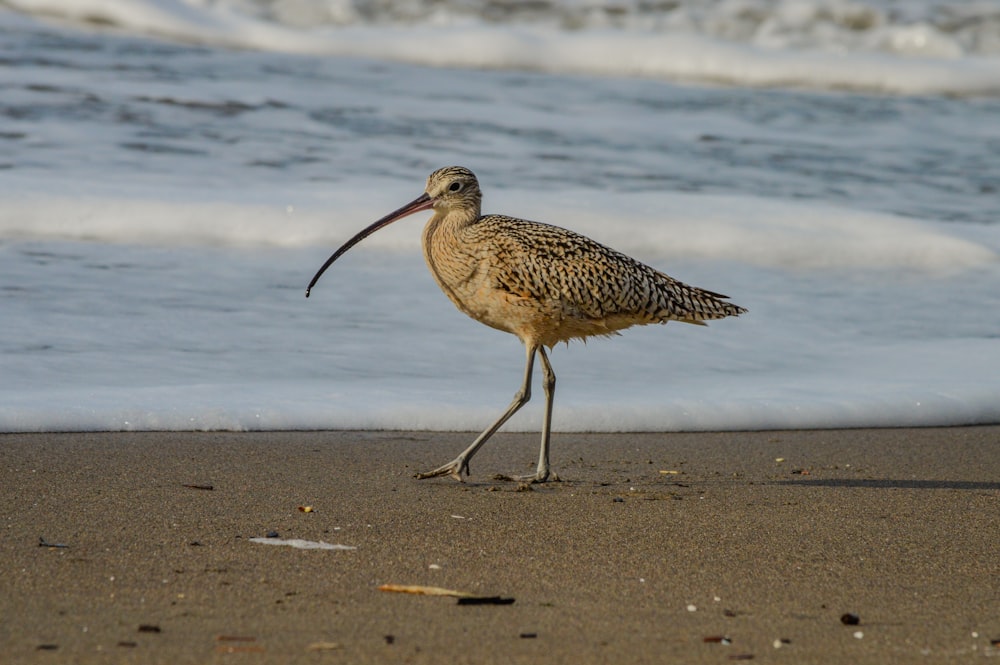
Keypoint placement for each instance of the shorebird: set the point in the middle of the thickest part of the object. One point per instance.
(540, 282)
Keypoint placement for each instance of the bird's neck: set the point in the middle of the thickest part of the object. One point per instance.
(449, 256)
(449, 222)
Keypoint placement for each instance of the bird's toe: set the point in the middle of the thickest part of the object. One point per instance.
(538, 477)
(455, 468)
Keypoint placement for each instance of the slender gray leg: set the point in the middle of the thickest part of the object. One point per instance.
(549, 384)
(460, 464)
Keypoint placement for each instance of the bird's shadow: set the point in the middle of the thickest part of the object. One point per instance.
(890, 483)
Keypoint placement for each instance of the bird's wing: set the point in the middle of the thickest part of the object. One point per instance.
(586, 279)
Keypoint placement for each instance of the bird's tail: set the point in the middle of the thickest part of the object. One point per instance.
(690, 304)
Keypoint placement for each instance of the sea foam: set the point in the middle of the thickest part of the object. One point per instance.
(826, 44)
(764, 232)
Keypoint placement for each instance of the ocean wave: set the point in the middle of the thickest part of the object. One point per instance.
(762, 232)
(916, 48)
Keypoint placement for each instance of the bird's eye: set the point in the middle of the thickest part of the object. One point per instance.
(455, 187)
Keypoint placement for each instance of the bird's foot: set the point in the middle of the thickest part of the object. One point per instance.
(537, 477)
(454, 468)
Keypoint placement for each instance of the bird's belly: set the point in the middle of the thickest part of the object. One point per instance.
(476, 296)
(533, 319)
(474, 292)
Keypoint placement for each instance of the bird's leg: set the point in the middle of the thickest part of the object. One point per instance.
(460, 464)
(549, 384)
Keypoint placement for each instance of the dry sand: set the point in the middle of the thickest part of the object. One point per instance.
(652, 549)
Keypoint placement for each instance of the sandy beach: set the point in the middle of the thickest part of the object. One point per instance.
(654, 548)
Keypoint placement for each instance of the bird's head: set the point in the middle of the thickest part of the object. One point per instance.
(455, 189)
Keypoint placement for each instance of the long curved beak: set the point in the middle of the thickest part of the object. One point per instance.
(423, 202)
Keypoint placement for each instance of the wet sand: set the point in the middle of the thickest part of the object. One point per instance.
(654, 548)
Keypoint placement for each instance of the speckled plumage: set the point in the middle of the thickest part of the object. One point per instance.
(549, 284)
(540, 282)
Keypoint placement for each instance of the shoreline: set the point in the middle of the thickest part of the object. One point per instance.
(675, 547)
